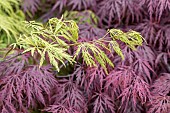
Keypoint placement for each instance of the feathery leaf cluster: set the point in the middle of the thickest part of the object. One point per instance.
(57, 36)
(11, 18)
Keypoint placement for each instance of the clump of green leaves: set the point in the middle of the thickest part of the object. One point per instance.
(11, 24)
(48, 39)
(57, 36)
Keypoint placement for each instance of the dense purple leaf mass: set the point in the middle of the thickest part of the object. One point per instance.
(24, 86)
(161, 95)
(103, 103)
(89, 32)
(138, 84)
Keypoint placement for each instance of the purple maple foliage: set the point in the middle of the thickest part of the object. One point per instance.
(30, 6)
(161, 95)
(81, 4)
(117, 11)
(25, 86)
(89, 32)
(138, 84)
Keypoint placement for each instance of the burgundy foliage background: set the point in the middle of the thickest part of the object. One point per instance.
(138, 84)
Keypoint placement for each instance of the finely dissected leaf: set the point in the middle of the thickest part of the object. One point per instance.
(57, 49)
(129, 56)
(23, 87)
(54, 52)
(60, 109)
(120, 78)
(103, 103)
(66, 29)
(49, 40)
(7, 5)
(146, 52)
(156, 35)
(11, 18)
(73, 4)
(89, 32)
(92, 85)
(57, 109)
(117, 11)
(161, 85)
(90, 53)
(157, 8)
(60, 4)
(160, 104)
(131, 38)
(8, 108)
(113, 8)
(141, 88)
(30, 6)
(160, 91)
(137, 91)
(143, 68)
(69, 96)
(113, 44)
(93, 76)
(81, 4)
(132, 87)
(162, 59)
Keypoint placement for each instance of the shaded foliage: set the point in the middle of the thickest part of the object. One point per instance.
(30, 6)
(11, 25)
